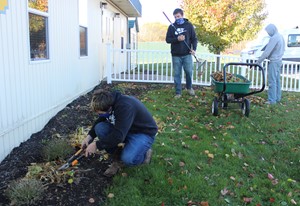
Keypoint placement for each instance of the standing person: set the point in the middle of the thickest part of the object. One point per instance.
(122, 119)
(181, 39)
(274, 51)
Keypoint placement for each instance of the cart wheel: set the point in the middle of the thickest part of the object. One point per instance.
(224, 99)
(214, 109)
(246, 107)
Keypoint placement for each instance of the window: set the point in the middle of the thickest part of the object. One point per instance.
(83, 31)
(294, 40)
(38, 29)
(83, 41)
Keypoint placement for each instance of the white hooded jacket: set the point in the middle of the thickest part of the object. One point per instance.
(275, 48)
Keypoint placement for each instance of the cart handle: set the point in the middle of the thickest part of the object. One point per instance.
(252, 65)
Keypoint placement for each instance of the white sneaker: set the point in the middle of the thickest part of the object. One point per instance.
(177, 96)
(191, 92)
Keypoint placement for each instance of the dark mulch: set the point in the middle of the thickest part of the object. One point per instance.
(92, 183)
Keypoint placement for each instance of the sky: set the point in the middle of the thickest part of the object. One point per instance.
(284, 14)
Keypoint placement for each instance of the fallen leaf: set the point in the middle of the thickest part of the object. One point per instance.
(224, 191)
(110, 195)
(210, 155)
(91, 200)
(170, 180)
(204, 204)
(231, 177)
(270, 176)
(291, 180)
(275, 182)
(293, 202)
(247, 199)
(272, 199)
(181, 164)
(227, 200)
(240, 155)
(195, 137)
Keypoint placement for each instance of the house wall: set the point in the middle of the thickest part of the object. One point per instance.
(33, 92)
(114, 29)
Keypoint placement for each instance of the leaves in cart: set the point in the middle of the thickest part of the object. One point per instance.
(219, 76)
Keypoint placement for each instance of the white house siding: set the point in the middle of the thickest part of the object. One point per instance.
(33, 92)
(113, 28)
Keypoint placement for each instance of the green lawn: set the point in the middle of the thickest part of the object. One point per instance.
(225, 160)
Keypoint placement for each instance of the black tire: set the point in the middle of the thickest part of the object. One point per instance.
(246, 107)
(214, 108)
(224, 101)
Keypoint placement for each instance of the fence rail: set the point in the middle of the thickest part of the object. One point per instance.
(155, 66)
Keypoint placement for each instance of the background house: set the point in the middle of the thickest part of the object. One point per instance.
(50, 53)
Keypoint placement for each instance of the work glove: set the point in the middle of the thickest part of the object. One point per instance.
(86, 141)
(91, 149)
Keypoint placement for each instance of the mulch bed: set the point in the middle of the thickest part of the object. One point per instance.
(92, 183)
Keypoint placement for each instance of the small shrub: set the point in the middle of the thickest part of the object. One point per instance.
(56, 149)
(25, 191)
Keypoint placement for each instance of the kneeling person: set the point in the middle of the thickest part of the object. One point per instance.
(122, 119)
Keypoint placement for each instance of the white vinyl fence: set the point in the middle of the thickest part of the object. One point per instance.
(155, 66)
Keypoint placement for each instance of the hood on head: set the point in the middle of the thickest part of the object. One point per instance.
(271, 29)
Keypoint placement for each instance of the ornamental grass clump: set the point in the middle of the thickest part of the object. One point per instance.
(25, 191)
(56, 149)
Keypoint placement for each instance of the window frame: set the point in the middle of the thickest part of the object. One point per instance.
(43, 14)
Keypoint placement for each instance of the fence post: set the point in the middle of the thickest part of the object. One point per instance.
(243, 68)
(108, 63)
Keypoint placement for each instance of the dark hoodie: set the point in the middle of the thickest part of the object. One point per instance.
(275, 48)
(131, 116)
(179, 48)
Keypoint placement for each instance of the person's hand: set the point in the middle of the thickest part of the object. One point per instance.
(86, 141)
(91, 149)
(181, 38)
(192, 52)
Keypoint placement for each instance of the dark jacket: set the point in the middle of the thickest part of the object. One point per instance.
(179, 48)
(131, 116)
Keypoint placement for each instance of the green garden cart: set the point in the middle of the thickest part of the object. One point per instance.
(234, 92)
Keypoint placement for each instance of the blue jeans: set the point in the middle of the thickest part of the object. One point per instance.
(185, 62)
(274, 92)
(136, 145)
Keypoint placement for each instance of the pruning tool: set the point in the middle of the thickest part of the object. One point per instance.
(75, 158)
